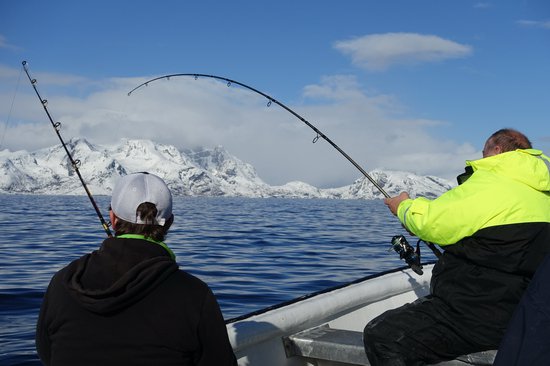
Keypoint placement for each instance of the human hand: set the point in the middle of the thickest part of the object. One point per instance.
(393, 202)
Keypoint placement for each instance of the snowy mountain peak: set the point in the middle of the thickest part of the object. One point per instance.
(201, 172)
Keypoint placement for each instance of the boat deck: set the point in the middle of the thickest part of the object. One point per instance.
(327, 346)
(325, 329)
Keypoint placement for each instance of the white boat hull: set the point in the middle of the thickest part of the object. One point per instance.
(258, 339)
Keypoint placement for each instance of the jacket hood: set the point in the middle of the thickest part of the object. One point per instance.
(120, 273)
(530, 167)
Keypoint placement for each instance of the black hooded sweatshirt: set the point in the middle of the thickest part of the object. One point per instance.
(129, 304)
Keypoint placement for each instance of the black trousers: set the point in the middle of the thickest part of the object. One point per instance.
(422, 332)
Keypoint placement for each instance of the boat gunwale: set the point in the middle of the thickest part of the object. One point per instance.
(320, 292)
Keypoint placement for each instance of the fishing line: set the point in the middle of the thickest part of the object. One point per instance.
(75, 163)
(271, 100)
(11, 109)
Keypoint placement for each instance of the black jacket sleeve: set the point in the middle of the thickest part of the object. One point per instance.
(216, 348)
(42, 338)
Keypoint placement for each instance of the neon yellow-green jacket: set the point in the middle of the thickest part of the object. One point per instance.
(495, 229)
(507, 188)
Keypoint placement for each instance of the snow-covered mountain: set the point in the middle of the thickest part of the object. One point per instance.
(204, 172)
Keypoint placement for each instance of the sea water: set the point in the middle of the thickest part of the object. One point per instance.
(254, 253)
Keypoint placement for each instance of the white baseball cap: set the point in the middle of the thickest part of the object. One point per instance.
(134, 189)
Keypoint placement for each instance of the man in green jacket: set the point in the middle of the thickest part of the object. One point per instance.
(495, 229)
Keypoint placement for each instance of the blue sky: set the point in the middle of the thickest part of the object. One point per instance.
(404, 85)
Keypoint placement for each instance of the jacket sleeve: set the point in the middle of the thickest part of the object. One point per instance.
(216, 348)
(42, 338)
(454, 215)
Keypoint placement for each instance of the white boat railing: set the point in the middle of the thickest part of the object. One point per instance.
(258, 338)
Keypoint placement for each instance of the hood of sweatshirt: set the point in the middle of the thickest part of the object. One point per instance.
(117, 275)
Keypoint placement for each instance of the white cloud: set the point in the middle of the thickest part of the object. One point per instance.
(482, 5)
(535, 23)
(8, 72)
(4, 43)
(380, 51)
(188, 113)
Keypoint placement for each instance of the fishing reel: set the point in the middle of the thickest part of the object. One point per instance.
(407, 252)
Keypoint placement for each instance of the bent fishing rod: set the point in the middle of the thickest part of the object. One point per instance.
(271, 100)
(399, 243)
(75, 163)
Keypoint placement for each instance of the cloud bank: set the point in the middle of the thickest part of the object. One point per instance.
(189, 113)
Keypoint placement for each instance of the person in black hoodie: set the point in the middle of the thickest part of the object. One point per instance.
(128, 303)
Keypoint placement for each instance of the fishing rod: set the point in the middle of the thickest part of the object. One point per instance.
(75, 163)
(271, 100)
(399, 243)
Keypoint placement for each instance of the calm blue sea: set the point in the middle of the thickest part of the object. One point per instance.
(253, 253)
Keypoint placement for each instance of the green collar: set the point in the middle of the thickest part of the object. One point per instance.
(139, 236)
